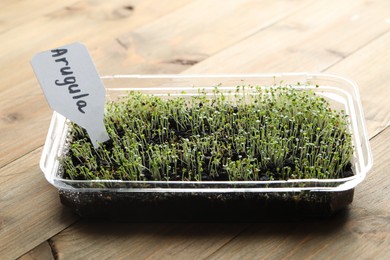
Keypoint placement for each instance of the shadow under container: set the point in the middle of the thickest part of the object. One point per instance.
(212, 200)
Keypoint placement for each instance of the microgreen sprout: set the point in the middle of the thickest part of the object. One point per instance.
(250, 133)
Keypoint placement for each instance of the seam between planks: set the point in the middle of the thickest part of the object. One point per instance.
(384, 129)
(229, 241)
(19, 158)
(51, 242)
(53, 249)
(356, 50)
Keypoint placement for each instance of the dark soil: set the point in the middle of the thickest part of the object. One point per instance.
(210, 207)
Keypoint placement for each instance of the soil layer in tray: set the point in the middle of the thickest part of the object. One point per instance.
(210, 207)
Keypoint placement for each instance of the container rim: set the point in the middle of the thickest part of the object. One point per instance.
(344, 183)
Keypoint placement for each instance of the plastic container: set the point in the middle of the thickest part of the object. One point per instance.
(218, 201)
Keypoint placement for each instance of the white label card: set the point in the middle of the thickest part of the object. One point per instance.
(73, 88)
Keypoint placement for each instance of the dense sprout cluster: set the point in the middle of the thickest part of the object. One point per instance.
(250, 133)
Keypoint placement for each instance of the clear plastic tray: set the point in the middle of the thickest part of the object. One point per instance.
(340, 92)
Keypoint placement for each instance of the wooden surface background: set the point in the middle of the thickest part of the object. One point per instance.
(349, 38)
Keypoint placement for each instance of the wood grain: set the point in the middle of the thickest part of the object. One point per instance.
(143, 240)
(86, 21)
(369, 67)
(30, 212)
(11, 16)
(43, 251)
(311, 40)
(164, 47)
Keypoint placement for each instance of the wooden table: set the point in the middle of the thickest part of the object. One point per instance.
(349, 38)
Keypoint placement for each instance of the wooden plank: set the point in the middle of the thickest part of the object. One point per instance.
(94, 23)
(43, 251)
(14, 13)
(369, 67)
(362, 232)
(30, 211)
(153, 48)
(118, 47)
(24, 123)
(309, 40)
(90, 240)
(150, 51)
